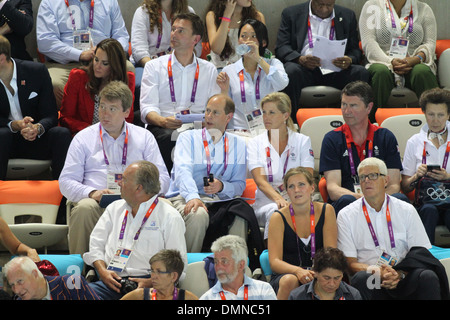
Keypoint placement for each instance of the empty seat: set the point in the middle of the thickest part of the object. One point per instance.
(384, 113)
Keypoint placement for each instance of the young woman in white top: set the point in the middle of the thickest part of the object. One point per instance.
(434, 139)
(223, 20)
(272, 153)
(151, 28)
(252, 77)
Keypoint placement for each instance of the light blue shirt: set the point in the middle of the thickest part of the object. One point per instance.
(190, 165)
(257, 290)
(85, 169)
(276, 80)
(54, 33)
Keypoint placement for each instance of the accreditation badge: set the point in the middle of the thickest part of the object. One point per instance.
(119, 260)
(386, 259)
(82, 40)
(280, 189)
(255, 121)
(112, 181)
(399, 48)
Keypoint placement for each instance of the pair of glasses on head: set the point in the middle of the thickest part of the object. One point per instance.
(371, 176)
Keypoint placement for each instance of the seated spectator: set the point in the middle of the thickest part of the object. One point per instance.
(297, 232)
(345, 147)
(410, 21)
(28, 114)
(274, 152)
(16, 22)
(300, 26)
(330, 266)
(28, 283)
(97, 157)
(68, 32)
(151, 28)
(230, 261)
(223, 20)
(131, 231)
(80, 102)
(218, 156)
(251, 78)
(176, 83)
(432, 141)
(166, 269)
(386, 244)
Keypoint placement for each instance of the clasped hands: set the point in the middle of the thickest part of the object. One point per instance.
(214, 187)
(28, 130)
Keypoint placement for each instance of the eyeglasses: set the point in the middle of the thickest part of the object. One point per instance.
(158, 272)
(225, 262)
(371, 176)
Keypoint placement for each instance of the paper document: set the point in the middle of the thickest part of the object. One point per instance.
(328, 50)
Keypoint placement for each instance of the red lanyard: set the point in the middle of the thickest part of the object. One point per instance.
(269, 164)
(125, 146)
(242, 86)
(91, 15)
(172, 86)
(312, 224)
(222, 295)
(310, 35)
(444, 162)
(147, 215)
(389, 224)
(208, 153)
(175, 294)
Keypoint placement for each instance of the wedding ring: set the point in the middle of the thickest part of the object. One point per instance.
(307, 278)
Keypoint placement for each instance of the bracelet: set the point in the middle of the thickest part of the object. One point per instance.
(225, 19)
(420, 57)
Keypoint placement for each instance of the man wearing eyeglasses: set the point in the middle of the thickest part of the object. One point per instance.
(386, 244)
(96, 159)
(345, 147)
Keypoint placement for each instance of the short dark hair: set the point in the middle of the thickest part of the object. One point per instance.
(197, 23)
(360, 89)
(435, 96)
(171, 259)
(118, 90)
(330, 258)
(261, 33)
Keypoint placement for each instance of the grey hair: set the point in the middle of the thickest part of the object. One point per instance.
(147, 175)
(235, 244)
(25, 263)
(374, 162)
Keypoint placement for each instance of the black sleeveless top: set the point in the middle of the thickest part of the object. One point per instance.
(294, 248)
(147, 295)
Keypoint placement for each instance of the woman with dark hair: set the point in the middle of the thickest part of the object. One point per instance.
(251, 78)
(223, 19)
(330, 266)
(79, 108)
(151, 28)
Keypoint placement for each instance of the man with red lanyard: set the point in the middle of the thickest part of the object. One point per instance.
(97, 157)
(230, 261)
(67, 32)
(132, 230)
(177, 84)
(385, 243)
(300, 26)
(345, 147)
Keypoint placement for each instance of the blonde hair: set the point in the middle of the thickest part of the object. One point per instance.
(283, 103)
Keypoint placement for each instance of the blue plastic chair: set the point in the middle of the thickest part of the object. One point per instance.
(264, 261)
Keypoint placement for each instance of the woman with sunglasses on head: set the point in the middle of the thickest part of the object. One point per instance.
(297, 232)
(166, 269)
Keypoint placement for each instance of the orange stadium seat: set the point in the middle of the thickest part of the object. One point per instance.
(304, 114)
(383, 113)
(250, 190)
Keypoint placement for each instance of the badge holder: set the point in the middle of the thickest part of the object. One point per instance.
(255, 121)
(82, 40)
(386, 259)
(399, 50)
(119, 260)
(112, 181)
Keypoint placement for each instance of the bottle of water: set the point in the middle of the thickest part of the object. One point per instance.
(242, 49)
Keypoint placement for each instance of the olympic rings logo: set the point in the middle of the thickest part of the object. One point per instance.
(438, 193)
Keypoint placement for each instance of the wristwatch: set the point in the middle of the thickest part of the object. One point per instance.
(401, 275)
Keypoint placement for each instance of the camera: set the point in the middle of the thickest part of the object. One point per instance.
(127, 286)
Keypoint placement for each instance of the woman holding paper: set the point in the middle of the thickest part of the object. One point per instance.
(399, 39)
